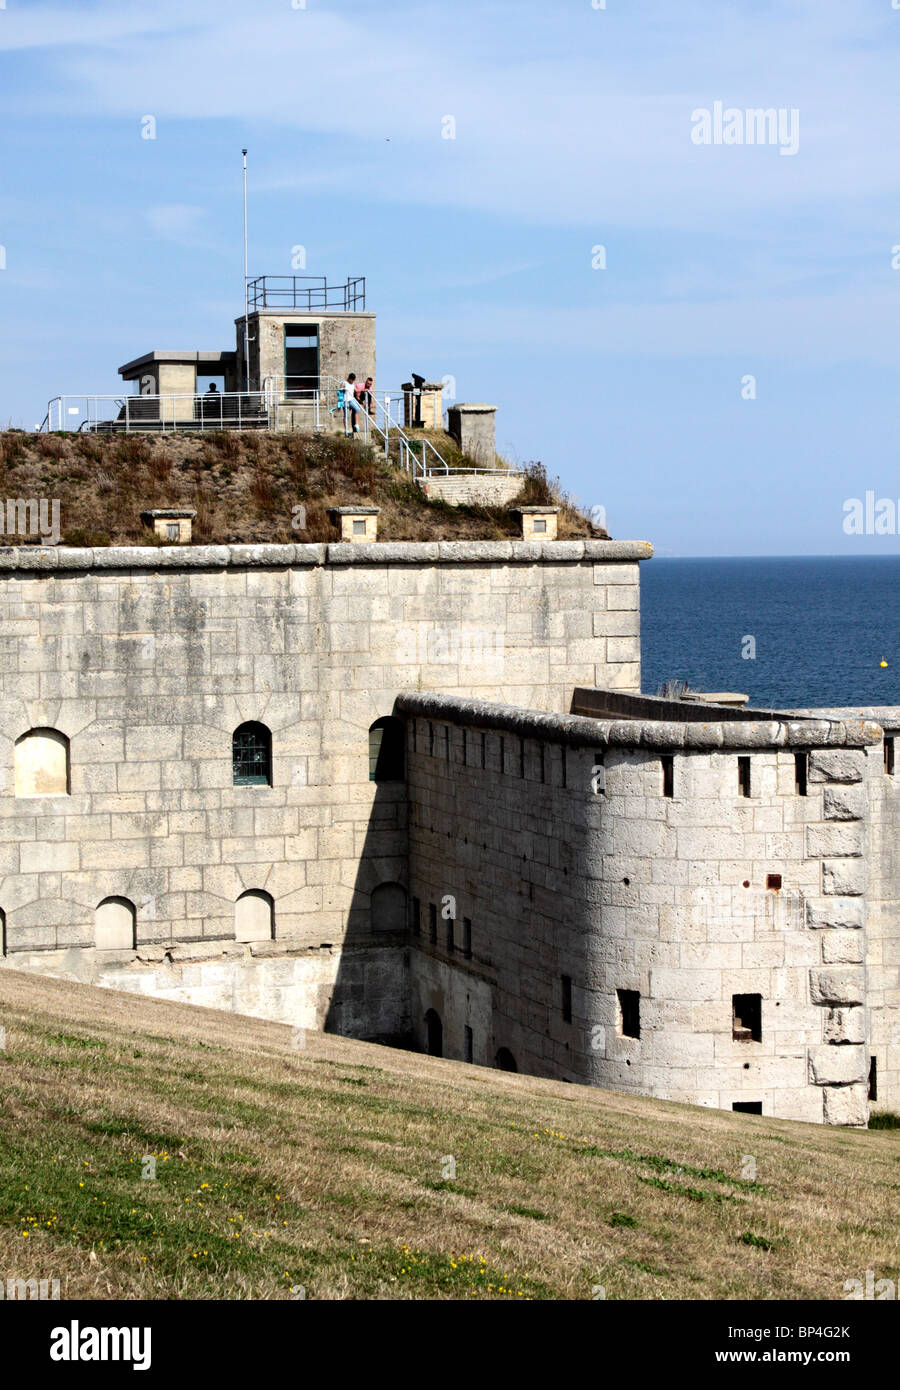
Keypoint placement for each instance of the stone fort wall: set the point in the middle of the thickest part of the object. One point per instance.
(555, 841)
(142, 662)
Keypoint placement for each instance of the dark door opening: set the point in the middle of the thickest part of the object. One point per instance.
(434, 1035)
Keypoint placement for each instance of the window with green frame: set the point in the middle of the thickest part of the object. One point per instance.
(251, 756)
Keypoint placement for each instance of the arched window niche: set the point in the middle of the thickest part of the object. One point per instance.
(251, 755)
(115, 925)
(254, 916)
(42, 763)
(434, 1034)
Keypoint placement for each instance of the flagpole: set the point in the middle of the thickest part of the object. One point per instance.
(246, 288)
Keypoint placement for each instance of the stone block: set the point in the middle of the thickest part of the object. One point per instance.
(844, 876)
(844, 803)
(846, 1105)
(837, 765)
(843, 913)
(832, 1065)
(837, 985)
(845, 1025)
(843, 948)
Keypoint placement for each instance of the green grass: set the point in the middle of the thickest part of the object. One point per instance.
(276, 1174)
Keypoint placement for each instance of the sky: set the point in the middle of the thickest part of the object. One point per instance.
(701, 338)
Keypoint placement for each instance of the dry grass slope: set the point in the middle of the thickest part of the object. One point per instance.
(244, 486)
(325, 1168)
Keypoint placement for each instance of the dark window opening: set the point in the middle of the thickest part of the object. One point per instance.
(773, 881)
(566, 998)
(889, 756)
(801, 773)
(873, 1079)
(434, 1034)
(387, 753)
(446, 743)
(251, 756)
(521, 757)
(563, 770)
(667, 762)
(746, 1017)
(748, 1107)
(465, 747)
(432, 923)
(484, 750)
(629, 1012)
(744, 776)
(301, 360)
(505, 1061)
(467, 938)
(416, 917)
(542, 764)
(430, 739)
(468, 1049)
(502, 754)
(4, 945)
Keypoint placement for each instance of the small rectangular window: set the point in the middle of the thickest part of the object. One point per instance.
(432, 924)
(746, 1017)
(468, 1049)
(773, 882)
(465, 747)
(467, 938)
(415, 917)
(801, 773)
(873, 1079)
(540, 525)
(430, 739)
(629, 1012)
(566, 998)
(563, 767)
(889, 756)
(451, 928)
(446, 743)
(502, 753)
(743, 776)
(484, 750)
(173, 530)
(359, 528)
(542, 762)
(748, 1107)
(521, 757)
(667, 762)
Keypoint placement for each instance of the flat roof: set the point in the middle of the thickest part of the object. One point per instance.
(179, 355)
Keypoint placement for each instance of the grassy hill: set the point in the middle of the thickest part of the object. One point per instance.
(243, 487)
(327, 1167)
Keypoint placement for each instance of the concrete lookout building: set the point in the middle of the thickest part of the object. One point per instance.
(411, 792)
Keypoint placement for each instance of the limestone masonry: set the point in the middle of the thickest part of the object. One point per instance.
(412, 793)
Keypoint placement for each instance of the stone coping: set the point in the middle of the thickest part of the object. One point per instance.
(31, 558)
(888, 716)
(658, 734)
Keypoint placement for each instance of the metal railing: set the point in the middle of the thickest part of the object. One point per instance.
(306, 293)
(212, 410)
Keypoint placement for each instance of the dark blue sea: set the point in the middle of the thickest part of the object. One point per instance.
(820, 625)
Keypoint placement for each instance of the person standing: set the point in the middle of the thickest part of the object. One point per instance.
(350, 403)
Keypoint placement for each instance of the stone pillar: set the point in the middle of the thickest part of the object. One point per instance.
(423, 405)
(472, 426)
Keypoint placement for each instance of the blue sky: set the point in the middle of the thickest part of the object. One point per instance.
(573, 130)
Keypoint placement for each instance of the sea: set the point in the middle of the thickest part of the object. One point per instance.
(789, 632)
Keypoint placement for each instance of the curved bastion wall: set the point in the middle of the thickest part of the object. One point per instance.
(618, 911)
(125, 674)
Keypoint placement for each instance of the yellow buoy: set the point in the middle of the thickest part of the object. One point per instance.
(882, 662)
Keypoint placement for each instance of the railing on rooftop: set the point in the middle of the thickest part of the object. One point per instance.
(213, 410)
(307, 293)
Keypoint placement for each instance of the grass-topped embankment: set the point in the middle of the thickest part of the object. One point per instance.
(329, 1168)
(244, 488)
